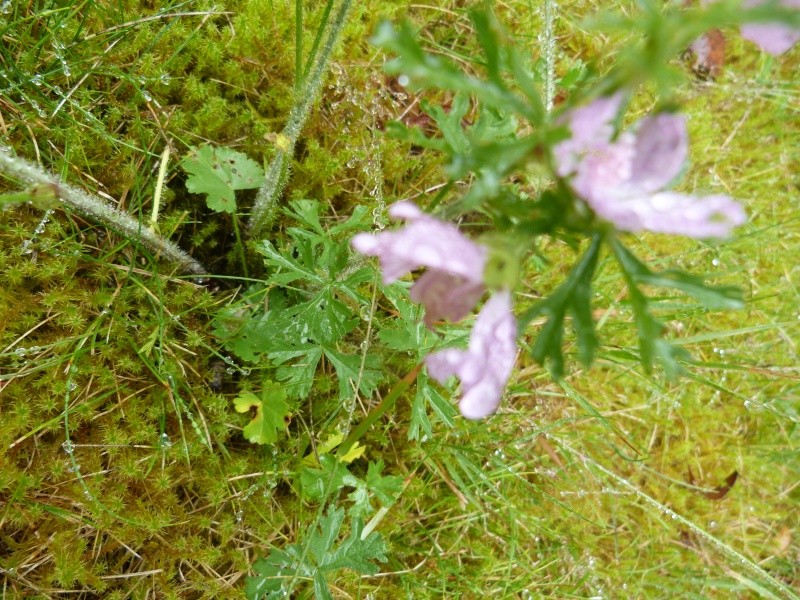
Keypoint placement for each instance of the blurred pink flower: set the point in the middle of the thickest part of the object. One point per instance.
(590, 126)
(774, 38)
(453, 283)
(484, 368)
(622, 180)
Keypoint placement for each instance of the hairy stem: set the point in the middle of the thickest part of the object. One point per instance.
(91, 206)
(277, 174)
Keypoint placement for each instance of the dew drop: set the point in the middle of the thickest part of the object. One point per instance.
(403, 80)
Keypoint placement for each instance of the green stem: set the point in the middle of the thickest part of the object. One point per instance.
(92, 206)
(277, 174)
(377, 412)
(239, 245)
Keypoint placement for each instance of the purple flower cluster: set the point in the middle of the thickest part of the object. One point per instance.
(774, 38)
(449, 289)
(624, 180)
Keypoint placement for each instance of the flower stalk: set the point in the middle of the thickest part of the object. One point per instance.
(278, 172)
(93, 207)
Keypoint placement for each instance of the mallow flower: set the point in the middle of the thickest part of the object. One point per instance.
(624, 180)
(774, 38)
(450, 288)
(485, 366)
(453, 283)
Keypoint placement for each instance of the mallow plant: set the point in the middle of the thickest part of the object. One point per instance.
(609, 176)
(608, 180)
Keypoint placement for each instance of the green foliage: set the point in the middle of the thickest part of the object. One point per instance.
(317, 559)
(218, 173)
(309, 319)
(385, 488)
(540, 502)
(271, 412)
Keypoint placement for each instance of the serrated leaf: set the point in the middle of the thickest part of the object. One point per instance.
(328, 446)
(420, 426)
(318, 482)
(385, 487)
(349, 371)
(356, 451)
(218, 173)
(322, 559)
(298, 376)
(271, 410)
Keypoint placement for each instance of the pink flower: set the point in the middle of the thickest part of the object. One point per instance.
(484, 368)
(453, 283)
(590, 126)
(622, 181)
(774, 38)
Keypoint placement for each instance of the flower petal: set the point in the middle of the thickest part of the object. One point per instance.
(445, 296)
(700, 217)
(772, 38)
(484, 368)
(591, 126)
(662, 145)
(424, 242)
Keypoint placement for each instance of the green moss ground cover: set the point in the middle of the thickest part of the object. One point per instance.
(124, 472)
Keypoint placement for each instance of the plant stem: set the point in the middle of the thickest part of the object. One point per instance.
(264, 208)
(92, 206)
(377, 412)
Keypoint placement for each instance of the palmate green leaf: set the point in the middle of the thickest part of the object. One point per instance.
(218, 173)
(426, 70)
(348, 371)
(420, 426)
(317, 482)
(288, 268)
(383, 487)
(323, 558)
(297, 376)
(652, 346)
(271, 410)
